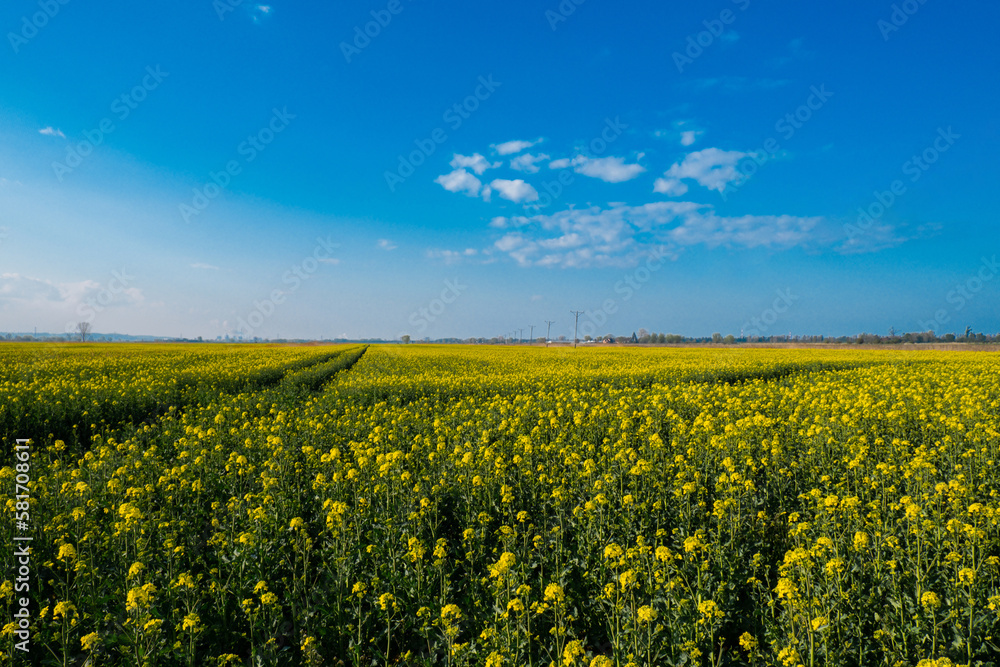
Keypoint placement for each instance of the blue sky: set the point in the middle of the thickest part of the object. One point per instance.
(466, 169)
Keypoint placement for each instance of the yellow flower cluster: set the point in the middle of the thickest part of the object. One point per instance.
(494, 506)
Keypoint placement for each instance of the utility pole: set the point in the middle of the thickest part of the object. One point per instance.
(520, 335)
(575, 325)
(548, 329)
(531, 334)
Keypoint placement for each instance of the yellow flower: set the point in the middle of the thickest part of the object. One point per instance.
(450, 613)
(268, 598)
(136, 569)
(89, 642)
(554, 593)
(819, 622)
(709, 609)
(502, 566)
(64, 609)
(788, 656)
(191, 622)
(66, 552)
(572, 651)
(297, 523)
(930, 600)
(613, 551)
(966, 575)
(646, 614)
(748, 642)
(860, 540)
(386, 600)
(186, 580)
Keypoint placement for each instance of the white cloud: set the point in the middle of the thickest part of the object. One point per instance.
(749, 231)
(52, 132)
(475, 162)
(711, 168)
(688, 137)
(511, 147)
(621, 235)
(452, 256)
(386, 244)
(516, 190)
(608, 169)
(460, 181)
(684, 131)
(48, 295)
(561, 163)
(526, 162)
(669, 186)
(202, 265)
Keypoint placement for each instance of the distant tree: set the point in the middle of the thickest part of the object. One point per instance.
(968, 333)
(716, 338)
(661, 338)
(588, 338)
(949, 338)
(84, 330)
(405, 338)
(643, 333)
(729, 340)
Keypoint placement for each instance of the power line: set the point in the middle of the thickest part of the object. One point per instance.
(548, 329)
(577, 314)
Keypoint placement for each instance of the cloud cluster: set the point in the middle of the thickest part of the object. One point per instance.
(49, 295)
(620, 235)
(711, 168)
